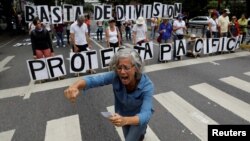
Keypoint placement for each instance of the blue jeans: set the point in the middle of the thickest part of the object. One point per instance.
(128, 33)
(152, 35)
(133, 132)
(59, 37)
(99, 33)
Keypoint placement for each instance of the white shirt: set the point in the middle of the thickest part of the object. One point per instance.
(113, 35)
(223, 22)
(68, 26)
(213, 24)
(140, 32)
(80, 33)
(178, 23)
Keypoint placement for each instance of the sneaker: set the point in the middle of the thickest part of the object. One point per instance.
(64, 46)
(57, 46)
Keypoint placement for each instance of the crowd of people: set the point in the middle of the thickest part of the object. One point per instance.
(132, 88)
(222, 26)
(162, 30)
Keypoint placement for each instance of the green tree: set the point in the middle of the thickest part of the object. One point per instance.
(44, 2)
(75, 2)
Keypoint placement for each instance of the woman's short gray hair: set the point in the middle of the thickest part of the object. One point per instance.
(128, 53)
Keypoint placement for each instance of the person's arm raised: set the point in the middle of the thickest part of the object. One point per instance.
(72, 91)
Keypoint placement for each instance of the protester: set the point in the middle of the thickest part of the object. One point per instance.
(80, 37)
(234, 27)
(119, 26)
(113, 37)
(128, 26)
(212, 29)
(99, 31)
(59, 28)
(243, 26)
(153, 23)
(20, 25)
(41, 41)
(165, 30)
(140, 32)
(88, 23)
(158, 21)
(224, 23)
(179, 28)
(190, 46)
(132, 89)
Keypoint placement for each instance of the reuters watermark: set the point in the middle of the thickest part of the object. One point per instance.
(235, 132)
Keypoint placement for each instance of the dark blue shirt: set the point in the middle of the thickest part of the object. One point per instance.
(168, 27)
(138, 102)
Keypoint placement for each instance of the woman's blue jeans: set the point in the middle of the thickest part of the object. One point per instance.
(133, 132)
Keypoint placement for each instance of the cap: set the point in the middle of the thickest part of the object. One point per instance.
(140, 20)
(166, 17)
(111, 20)
(226, 11)
(193, 36)
(180, 16)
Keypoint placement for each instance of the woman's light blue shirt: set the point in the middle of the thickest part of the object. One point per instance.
(138, 102)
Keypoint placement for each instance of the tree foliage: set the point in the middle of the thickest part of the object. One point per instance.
(44, 2)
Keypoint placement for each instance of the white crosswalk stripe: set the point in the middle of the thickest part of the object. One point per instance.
(230, 103)
(191, 117)
(149, 136)
(247, 73)
(7, 135)
(68, 128)
(63, 129)
(238, 83)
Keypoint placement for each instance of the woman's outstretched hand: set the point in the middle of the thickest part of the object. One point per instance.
(71, 93)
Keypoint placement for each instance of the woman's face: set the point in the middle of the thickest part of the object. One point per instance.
(214, 16)
(38, 25)
(165, 21)
(112, 24)
(126, 71)
(234, 19)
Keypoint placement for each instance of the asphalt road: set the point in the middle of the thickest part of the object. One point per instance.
(189, 95)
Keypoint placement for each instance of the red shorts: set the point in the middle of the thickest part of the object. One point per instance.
(43, 53)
